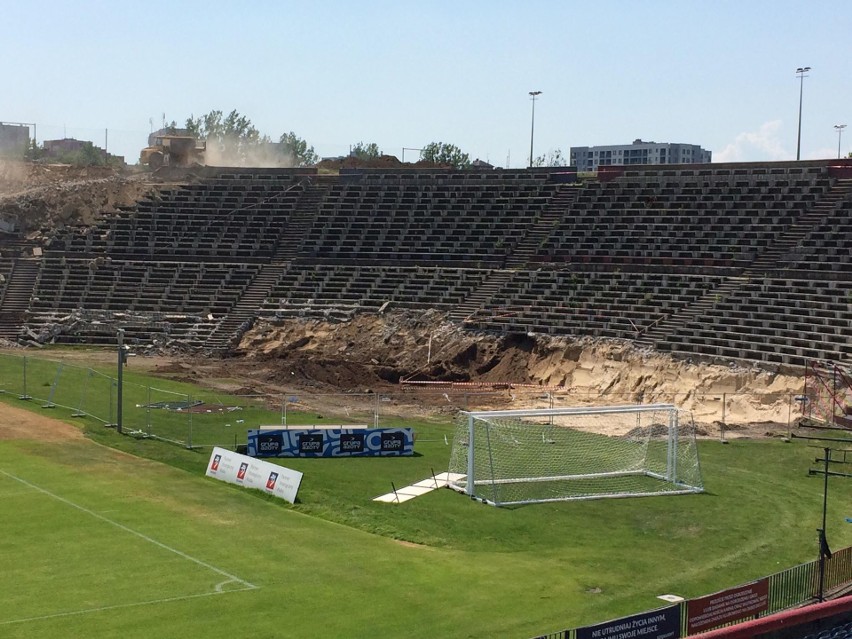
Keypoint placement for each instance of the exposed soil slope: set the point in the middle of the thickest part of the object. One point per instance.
(378, 351)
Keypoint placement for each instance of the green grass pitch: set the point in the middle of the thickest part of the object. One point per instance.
(109, 536)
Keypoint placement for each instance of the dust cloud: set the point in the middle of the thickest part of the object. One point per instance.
(13, 175)
(232, 153)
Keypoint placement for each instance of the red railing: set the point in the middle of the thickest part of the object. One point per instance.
(828, 394)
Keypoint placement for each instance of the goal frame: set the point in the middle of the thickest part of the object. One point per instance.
(467, 484)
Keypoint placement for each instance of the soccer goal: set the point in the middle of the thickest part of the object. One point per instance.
(560, 454)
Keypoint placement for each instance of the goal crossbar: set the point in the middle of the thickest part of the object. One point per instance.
(555, 412)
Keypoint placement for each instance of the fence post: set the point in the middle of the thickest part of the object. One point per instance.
(120, 389)
(80, 412)
(789, 418)
(376, 419)
(189, 402)
(148, 412)
(823, 543)
(111, 386)
(25, 396)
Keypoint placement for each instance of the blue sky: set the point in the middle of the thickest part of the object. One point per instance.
(720, 74)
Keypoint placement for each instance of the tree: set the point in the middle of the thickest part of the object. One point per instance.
(298, 150)
(33, 151)
(365, 151)
(554, 158)
(234, 136)
(86, 155)
(441, 153)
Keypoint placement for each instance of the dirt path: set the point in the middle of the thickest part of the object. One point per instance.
(19, 423)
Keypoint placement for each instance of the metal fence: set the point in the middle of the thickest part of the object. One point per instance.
(193, 417)
(787, 589)
(179, 412)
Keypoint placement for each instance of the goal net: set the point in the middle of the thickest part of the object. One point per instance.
(531, 456)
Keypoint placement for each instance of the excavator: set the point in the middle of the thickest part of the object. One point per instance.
(173, 150)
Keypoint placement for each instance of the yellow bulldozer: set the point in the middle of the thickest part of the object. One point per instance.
(173, 150)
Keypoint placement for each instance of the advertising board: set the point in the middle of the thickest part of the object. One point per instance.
(242, 470)
(663, 623)
(330, 442)
(727, 606)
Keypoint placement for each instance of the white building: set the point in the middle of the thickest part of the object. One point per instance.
(589, 158)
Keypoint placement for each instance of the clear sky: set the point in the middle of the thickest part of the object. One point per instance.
(720, 73)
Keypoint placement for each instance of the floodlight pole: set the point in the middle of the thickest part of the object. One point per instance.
(801, 71)
(839, 128)
(118, 422)
(533, 96)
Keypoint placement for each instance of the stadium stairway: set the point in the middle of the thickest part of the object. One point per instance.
(242, 315)
(767, 260)
(302, 219)
(16, 298)
(654, 336)
(558, 206)
(490, 286)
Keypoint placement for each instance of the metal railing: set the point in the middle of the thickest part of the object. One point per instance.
(787, 589)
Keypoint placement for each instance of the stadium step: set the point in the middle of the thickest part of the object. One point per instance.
(658, 332)
(301, 221)
(467, 309)
(793, 235)
(245, 311)
(556, 208)
(17, 296)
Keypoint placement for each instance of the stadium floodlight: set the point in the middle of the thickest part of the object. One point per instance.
(532, 456)
(839, 128)
(801, 72)
(533, 96)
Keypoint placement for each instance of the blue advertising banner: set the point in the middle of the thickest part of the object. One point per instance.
(331, 442)
(663, 623)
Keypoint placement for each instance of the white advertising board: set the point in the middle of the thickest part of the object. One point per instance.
(243, 470)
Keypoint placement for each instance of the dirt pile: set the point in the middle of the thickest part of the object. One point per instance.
(36, 197)
(372, 352)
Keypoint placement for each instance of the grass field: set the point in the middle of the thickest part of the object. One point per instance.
(108, 536)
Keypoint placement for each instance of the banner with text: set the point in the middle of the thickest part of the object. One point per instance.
(330, 442)
(727, 606)
(663, 623)
(254, 473)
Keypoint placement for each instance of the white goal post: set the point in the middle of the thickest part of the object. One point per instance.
(514, 457)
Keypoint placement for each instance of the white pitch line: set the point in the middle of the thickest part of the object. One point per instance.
(136, 604)
(179, 553)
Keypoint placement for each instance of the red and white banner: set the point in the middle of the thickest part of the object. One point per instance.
(243, 470)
